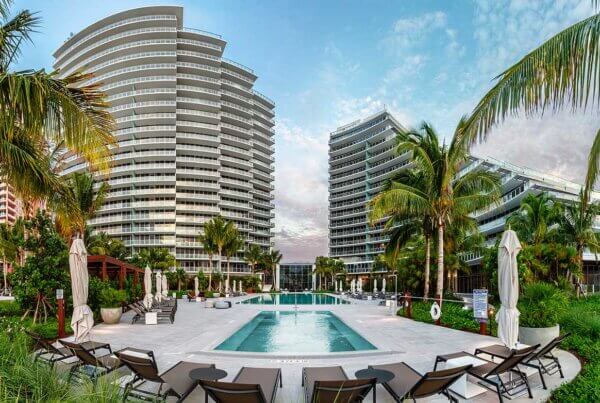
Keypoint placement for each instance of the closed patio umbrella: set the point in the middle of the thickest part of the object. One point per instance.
(83, 318)
(227, 285)
(341, 286)
(165, 286)
(375, 285)
(148, 287)
(360, 285)
(352, 287)
(508, 288)
(158, 294)
(383, 285)
(240, 286)
(234, 288)
(196, 291)
(335, 285)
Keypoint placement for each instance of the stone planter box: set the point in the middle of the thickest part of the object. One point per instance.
(110, 316)
(538, 335)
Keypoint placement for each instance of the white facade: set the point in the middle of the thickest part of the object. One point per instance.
(194, 137)
(361, 157)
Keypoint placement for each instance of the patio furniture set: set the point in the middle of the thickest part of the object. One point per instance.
(503, 373)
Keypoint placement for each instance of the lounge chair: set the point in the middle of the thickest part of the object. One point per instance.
(141, 313)
(408, 383)
(250, 385)
(90, 364)
(331, 384)
(535, 360)
(490, 373)
(173, 382)
(51, 354)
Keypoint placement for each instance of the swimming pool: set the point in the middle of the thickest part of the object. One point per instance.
(296, 332)
(295, 299)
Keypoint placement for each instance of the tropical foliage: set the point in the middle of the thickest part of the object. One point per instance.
(40, 110)
(328, 268)
(436, 195)
(105, 245)
(537, 219)
(155, 258)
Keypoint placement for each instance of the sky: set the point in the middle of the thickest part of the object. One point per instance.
(328, 63)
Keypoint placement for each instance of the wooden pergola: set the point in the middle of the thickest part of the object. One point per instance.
(110, 268)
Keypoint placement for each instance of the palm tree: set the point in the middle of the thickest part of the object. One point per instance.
(39, 109)
(271, 260)
(233, 245)
(336, 267)
(156, 258)
(77, 203)
(178, 276)
(577, 227)
(218, 232)
(321, 269)
(450, 197)
(12, 242)
(562, 72)
(401, 225)
(209, 248)
(537, 219)
(253, 256)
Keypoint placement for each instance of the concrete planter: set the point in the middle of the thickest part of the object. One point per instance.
(538, 335)
(111, 316)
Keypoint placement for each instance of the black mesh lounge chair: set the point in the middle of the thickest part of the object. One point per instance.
(490, 374)
(90, 364)
(250, 385)
(173, 382)
(331, 384)
(408, 383)
(51, 354)
(543, 359)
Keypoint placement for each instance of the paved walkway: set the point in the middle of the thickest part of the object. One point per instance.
(197, 330)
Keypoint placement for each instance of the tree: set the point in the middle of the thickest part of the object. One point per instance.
(209, 249)
(403, 225)
(270, 260)
(202, 281)
(253, 256)
(39, 109)
(234, 244)
(155, 258)
(177, 276)
(46, 268)
(562, 72)
(450, 198)
(217, 233)
(104, 245)
(537, 219)
(321, 269)
(77, 203)
(577, 228)
(12, 243)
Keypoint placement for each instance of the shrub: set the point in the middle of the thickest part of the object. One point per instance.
(112, 298)
(10, 308)
(541, 305)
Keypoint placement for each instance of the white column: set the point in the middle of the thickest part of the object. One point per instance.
(277, 282)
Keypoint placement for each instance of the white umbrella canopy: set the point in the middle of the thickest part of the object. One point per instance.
(375, 285)
(234, 288)
(335, 285)
(341, 286)
(352, 286)
(83, 318)
(158, 294)
(148, 287)
(196, 291)
(360, 285)
(165, 286)
(383, 285)
(508, 288)
(227, 289)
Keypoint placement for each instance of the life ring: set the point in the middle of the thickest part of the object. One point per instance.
(435, 311)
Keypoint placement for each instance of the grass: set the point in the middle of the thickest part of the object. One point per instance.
(582, 320)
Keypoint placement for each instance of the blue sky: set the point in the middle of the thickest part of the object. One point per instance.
(326, 63)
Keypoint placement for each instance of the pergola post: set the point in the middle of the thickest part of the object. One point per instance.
(104, 272)
(121, 277)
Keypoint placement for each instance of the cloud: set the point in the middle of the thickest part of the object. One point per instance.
(407, 33)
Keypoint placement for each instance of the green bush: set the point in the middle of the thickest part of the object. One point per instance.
(112, 298)
(10, 308)
(541, 305)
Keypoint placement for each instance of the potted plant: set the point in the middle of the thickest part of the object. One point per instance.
(110, 305)
(541, 306)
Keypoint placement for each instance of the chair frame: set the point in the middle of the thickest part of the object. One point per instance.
(317, 386)
(253, 388)
(86, 358)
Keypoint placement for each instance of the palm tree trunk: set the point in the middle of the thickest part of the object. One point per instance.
(210, 273)
(228, 281)
(440, 261)
(427, 267)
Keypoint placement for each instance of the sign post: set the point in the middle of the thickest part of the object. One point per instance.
(480, 309)
(60, 302)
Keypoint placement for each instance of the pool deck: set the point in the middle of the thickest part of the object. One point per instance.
(197, 330)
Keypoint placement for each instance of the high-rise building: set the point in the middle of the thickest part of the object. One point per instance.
(10, 204)
(361, 157)
(194, 137)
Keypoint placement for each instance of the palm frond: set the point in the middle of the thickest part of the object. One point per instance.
(593, 168)
(563, 70)
(13, 32)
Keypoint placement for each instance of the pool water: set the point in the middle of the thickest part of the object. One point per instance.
(295, 332)
(295, 299)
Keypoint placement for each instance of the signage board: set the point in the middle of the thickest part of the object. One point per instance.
(480, 304)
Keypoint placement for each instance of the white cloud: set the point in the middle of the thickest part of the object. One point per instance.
(408, 33)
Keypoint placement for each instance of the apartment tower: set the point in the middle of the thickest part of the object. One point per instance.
(195, 139)
(361, 157)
